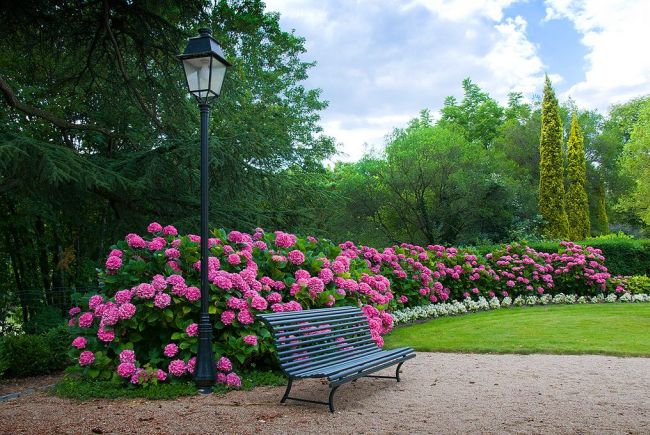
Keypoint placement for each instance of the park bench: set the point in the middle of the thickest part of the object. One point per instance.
(332, 343)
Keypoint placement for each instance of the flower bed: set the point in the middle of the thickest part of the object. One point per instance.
(432, 311)
(141, 327)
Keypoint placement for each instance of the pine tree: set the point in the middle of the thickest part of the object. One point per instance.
(577, 203)
(551, 168)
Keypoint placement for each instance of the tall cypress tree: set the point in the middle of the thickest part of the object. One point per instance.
(577, 203)
(601, 216)
(551, 168)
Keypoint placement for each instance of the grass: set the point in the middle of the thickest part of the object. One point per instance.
(75, 388)
(609, 329)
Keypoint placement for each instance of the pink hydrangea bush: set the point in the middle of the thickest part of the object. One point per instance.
(142, 326)
(149, 305)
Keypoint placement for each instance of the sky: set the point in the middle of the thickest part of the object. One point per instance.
(379, 62)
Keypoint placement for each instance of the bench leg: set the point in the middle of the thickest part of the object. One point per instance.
(331, 399)
(286, 393)
(399, 366)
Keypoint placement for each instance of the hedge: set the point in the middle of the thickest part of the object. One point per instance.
(623, 255)
(30, 355)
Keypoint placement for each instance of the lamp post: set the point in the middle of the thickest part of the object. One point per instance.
(205, 69)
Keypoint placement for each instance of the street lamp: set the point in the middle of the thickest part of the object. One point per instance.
(205, 69)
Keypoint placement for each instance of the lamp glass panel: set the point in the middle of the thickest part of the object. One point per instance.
(218, 74)
(197, 71)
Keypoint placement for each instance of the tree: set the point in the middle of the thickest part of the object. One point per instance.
(636, 165)
(100, 136)
(602, 219)
(551, 180)
(478, 115)
(577, 203)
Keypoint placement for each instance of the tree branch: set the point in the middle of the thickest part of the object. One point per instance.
(13, 101)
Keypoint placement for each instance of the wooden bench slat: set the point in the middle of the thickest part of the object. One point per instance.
(329, 342)
(352, 341)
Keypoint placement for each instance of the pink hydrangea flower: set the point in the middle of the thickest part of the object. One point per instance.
(234, 259)
(251, 339)
(169, 230)
(227, 317)
(74, 311)
(135, 241)
(296, 257)
(192, 294)
(113, 263)
(127, 356)
(284, 240)
(95, 301)
(123, 296)
(245, 317)
(115, 253)
(86, 320)
(221, 378)
(224, 364)
(157, 244)
(86, 358)
(154, 227)
(126, 311)
(126, 369)
(191, 364)
(79, 342)
(170, 350)
(274, 298)
(192, 330)
(172, 253)
(259, 303)
(177, 368)
(162, 300)
(145, 291)
(232, 380)
(161, 375)
(106, 335)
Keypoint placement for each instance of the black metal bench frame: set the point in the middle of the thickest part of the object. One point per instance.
(329, 342)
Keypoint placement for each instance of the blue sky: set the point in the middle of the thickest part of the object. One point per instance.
(379, 62)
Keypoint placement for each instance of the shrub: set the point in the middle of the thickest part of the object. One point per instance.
(45, 318)
(140, 328)
(639, 284)
(30, 355)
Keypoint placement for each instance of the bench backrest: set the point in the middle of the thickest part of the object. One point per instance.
(311, 338)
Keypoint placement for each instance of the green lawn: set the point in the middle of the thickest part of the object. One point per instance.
(611, 329)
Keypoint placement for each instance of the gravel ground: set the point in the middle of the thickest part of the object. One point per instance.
(441, 393)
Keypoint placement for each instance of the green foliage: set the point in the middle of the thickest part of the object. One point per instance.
(72, 387)
(29, 355)
(551, 182)
(432, 185)
(44, 319)
(577, 204)
(636, 165)
(602, 219)
(478, 116)
(639, 284)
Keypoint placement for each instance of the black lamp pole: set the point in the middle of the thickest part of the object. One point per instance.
(205, 372)
(205, 67)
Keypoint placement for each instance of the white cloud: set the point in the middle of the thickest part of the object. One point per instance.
(513, 59)
(462, 10)
(616, 34)
(380, 63)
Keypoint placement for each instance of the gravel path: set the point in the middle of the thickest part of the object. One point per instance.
(441, 393)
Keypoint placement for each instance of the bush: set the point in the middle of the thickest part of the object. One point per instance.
(635, 285)
(45, 318)
(30, 355)
(623, 254)
(141, 328)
